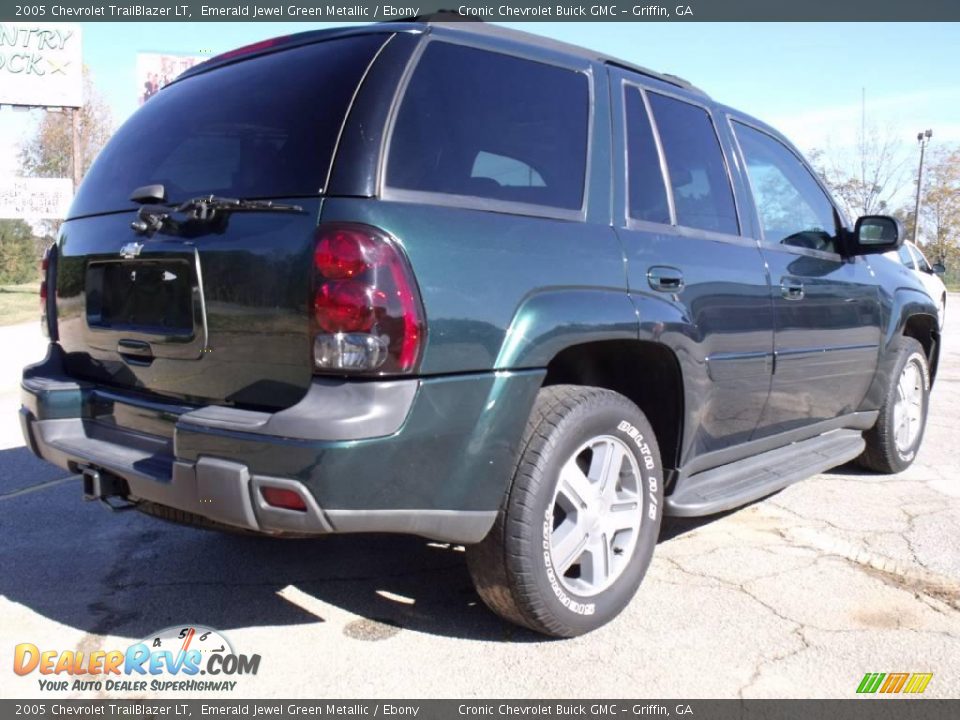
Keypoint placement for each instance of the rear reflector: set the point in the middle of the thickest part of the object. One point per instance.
(283, 498)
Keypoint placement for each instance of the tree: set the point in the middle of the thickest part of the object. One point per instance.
(940, 208)
(48, 153)
(867, 179)
(18, 256)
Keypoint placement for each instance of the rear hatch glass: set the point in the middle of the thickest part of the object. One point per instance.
(219, 314)
(259, 128)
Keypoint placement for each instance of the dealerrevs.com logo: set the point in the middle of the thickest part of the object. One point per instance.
(172, 659)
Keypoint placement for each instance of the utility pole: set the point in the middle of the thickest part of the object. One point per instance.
(923, 138)
(75, 161)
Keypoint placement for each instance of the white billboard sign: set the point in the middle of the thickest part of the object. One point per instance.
(154, 70)
(41, 64)
(35, 198)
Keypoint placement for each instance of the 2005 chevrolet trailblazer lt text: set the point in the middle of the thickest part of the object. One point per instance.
(471, 284)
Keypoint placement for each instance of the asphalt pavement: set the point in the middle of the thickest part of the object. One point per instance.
(798, 595)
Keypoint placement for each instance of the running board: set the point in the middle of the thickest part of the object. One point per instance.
(729, 486)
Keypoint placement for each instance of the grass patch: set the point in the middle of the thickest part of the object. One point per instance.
(19, 303)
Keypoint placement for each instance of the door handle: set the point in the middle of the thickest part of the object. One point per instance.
(135, 352)
(791, 289)
(665, 279)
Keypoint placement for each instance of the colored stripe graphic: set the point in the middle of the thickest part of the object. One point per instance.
(918, 682)
(894, 683)
(891, 683)
(870, 682)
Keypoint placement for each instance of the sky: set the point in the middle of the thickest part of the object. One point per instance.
(806, 79)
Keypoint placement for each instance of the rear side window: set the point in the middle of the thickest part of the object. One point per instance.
(648, 194)
(483, 124)
(698, 174)
(262, 127)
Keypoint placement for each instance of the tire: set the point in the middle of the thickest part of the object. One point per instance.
(514, 568)
(892, 446)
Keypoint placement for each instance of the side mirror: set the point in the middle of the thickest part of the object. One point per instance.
(875, 234)
(938, 268)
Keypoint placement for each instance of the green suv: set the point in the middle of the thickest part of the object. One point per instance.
(474, 285)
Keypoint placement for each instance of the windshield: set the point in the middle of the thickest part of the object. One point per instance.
(260, 128)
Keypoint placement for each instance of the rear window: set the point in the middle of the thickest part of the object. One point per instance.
(702, 194)
(264, 127)
(493, 126)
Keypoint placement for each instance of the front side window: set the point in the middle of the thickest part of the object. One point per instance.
(701, 188)
(482, 124)
(793, 208)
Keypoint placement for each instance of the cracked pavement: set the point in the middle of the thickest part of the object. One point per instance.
(798, 595)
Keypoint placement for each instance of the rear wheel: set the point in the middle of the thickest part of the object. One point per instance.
(579, 524)
(893, 442)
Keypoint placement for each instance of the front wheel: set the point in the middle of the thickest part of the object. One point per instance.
(579, 524)
(892, 443)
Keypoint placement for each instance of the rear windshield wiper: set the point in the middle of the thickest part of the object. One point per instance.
(152, 217)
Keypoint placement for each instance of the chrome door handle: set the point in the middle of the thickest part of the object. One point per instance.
(791, 289)
(665, 279)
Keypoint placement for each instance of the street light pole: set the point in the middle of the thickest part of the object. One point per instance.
(923, 138)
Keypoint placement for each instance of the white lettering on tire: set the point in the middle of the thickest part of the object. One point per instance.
(653, 508)
(565, 600)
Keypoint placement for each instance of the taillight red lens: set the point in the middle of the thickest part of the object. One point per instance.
(43, 291)
(345, 306)
(366, 307)
(343, 254)
(283, 498)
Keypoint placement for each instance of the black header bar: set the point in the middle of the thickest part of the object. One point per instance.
(32, 11)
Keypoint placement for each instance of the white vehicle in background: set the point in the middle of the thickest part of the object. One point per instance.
(910, 256)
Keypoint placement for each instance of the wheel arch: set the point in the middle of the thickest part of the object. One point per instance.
(912, 315)
(647, 373)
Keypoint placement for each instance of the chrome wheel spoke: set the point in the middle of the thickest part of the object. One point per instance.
(597, 510)
(574, 486)
(908, 406)
(605, 466)
(622, 516)
(595, 566)
(567, 544)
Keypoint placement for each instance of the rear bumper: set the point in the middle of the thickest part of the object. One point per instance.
(430, 457)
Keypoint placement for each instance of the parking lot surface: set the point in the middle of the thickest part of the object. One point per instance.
(798, 595)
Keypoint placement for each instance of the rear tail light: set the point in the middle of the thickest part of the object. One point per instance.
(366, 309)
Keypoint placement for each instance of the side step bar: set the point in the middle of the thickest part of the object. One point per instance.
(729, 486)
